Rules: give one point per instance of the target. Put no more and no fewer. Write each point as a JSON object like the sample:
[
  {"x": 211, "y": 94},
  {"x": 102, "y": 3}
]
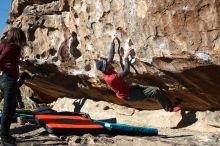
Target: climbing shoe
[{"x": 176, "y": 108}]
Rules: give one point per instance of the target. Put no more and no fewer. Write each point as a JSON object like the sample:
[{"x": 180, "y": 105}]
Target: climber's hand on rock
[{"x": 128, "y": 52}]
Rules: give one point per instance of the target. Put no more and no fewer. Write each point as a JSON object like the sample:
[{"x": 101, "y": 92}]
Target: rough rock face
[{"x": 176, "y": 42}]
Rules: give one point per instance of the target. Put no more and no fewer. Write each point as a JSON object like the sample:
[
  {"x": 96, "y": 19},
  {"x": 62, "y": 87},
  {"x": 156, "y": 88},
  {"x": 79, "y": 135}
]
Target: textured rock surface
[{"x": 176, "y": 43}]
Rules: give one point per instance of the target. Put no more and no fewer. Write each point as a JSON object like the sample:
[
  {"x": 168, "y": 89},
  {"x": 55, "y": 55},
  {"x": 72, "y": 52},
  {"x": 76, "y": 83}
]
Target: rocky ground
[
  {"x": 36, "y": 136},
  {"x": 200, "y": 128}
]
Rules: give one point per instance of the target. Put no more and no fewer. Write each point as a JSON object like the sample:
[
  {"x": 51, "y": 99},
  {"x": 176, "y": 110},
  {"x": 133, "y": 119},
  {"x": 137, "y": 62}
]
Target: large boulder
[{"x": 176, "y": 43}]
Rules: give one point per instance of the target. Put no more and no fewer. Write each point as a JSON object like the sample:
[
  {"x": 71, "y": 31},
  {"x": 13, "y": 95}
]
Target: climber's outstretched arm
[
  {"x": 111, "y": 51},
  {"x": 126, "y": 69}
]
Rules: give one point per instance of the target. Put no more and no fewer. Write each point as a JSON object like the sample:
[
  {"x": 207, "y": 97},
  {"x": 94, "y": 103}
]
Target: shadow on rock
[
  {"x": 187, "y": 119},
  {"x": 79, "y": 104},
  {"x": 24, "y": 129},
  {"x": 166, "y": 136}
]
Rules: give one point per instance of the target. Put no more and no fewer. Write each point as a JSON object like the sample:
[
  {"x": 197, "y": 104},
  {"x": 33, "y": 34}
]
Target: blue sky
[{"x": 4, "y": 11}]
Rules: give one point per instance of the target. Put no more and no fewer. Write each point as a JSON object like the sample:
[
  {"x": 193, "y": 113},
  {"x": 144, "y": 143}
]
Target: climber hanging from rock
[{"x": 128, "y": 93}]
